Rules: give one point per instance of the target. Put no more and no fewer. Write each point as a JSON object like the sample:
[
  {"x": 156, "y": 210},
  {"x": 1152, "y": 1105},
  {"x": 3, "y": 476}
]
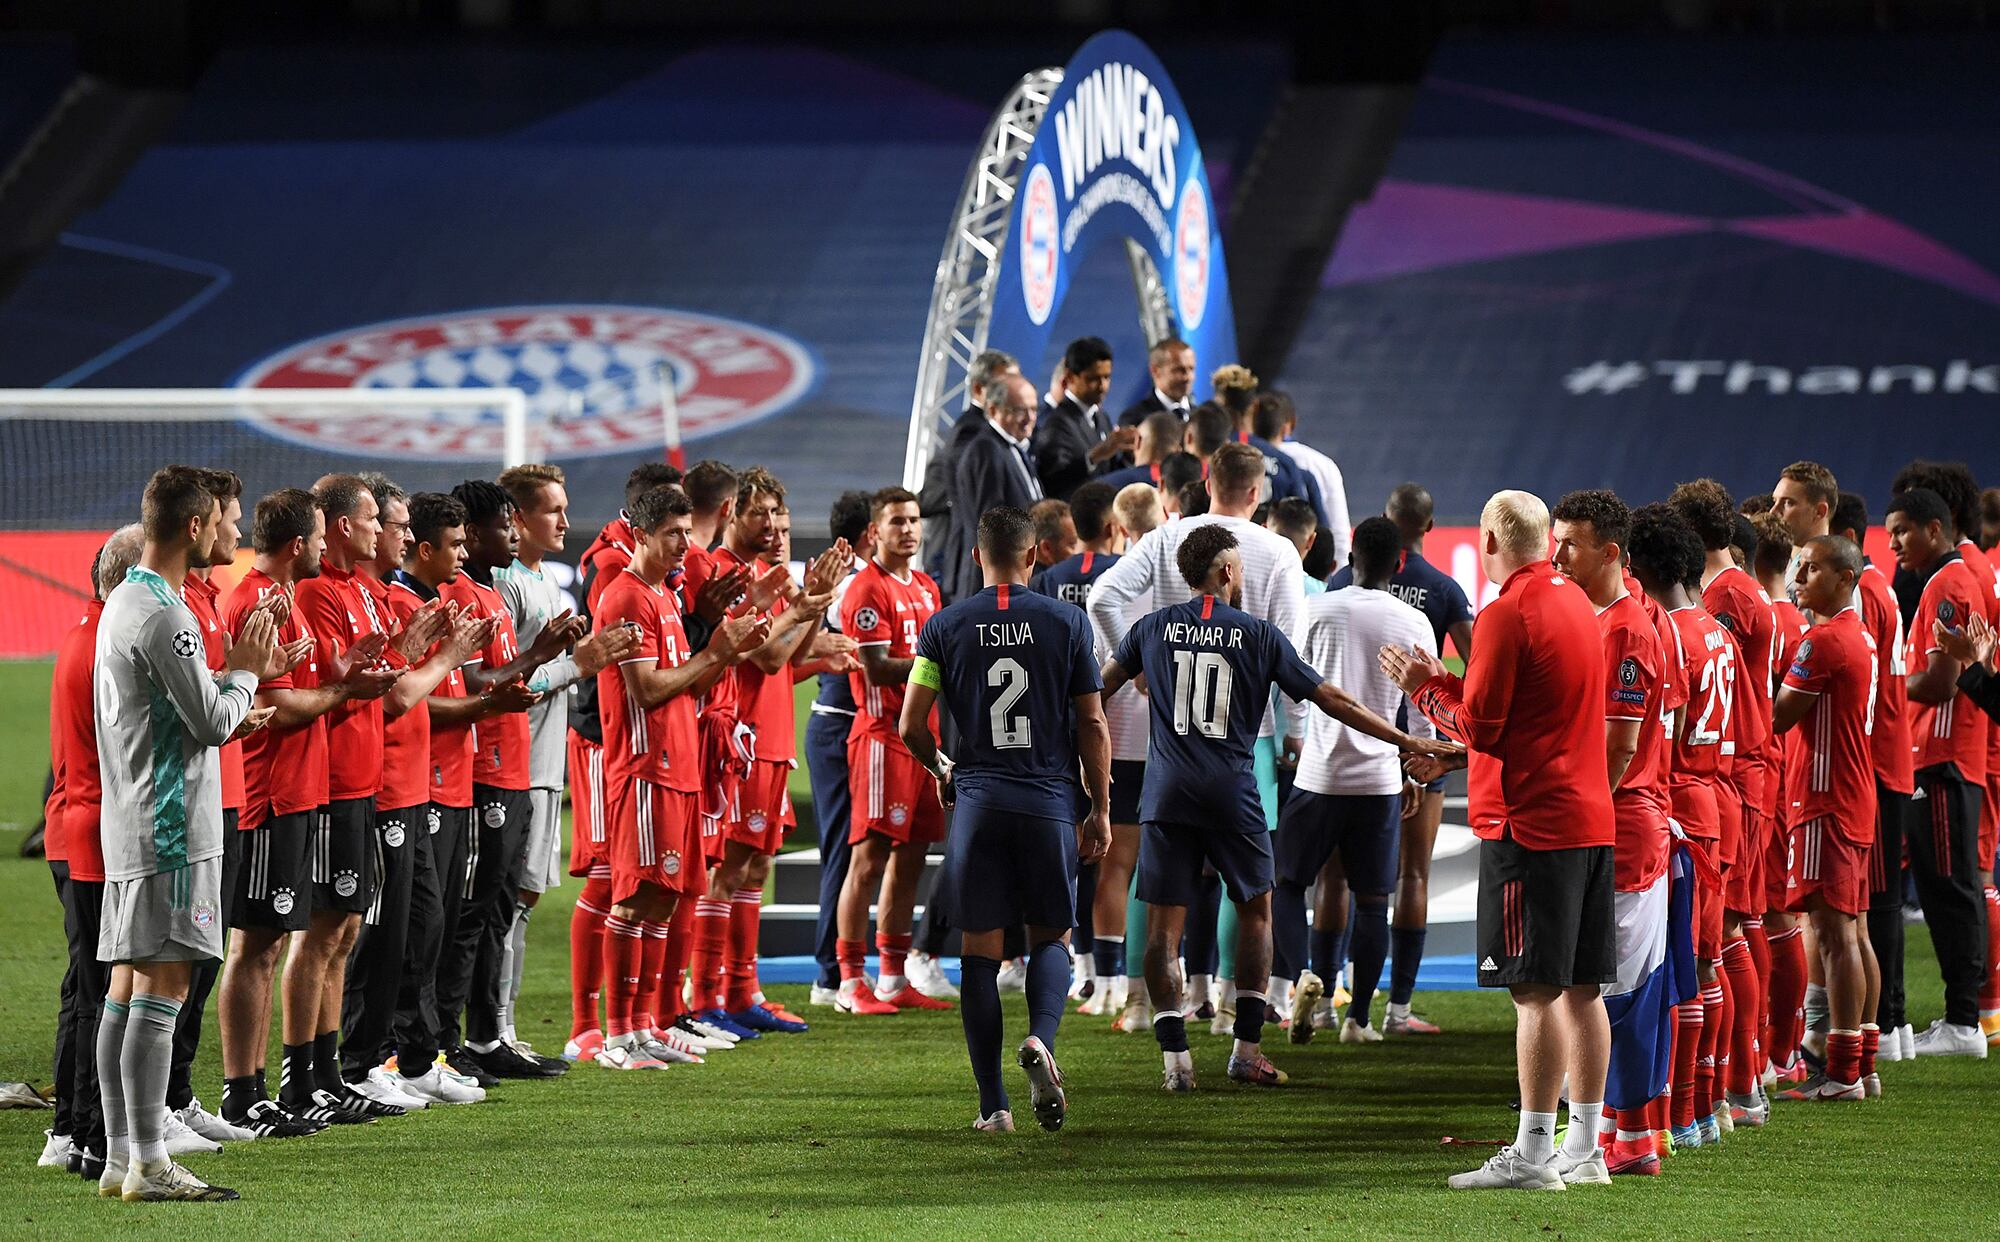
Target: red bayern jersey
[
  {"x": 661, "y": 744},
  {"x": 1953, "y": 731},
  {"x": 1638, "y": 685},
  {"x": 764, "y": 700},
  {"x": 200, "y": 596},
  {"x": 499, "y": 743},
  {"x": 1740, "y": 606},
  {"x": 1895, "y": 767},
  {"x": 406, "y": 740},
  {"x": 882, "y": 610},
  {"x": 605, "y": 558},
  {"x": 1708, "y": 670},
  {"x": 1528, "y": 709},
  {"x": 340, "y": 611},
  {"x": 699, "y": 567},
  {"x": 1832, "y": 768},
  {"x": 1983, "y": 569},
  {"x": 73, "y": 751},
  {"x": 284, "y": 770}
]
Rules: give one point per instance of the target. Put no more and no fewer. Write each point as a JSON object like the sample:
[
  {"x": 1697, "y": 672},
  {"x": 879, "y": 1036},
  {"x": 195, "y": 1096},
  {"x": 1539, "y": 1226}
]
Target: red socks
[
  {"x": 680, "y": 946},
  {"x": 894, "y": 950},
  {"x": 1741, "y": 974},
  {"x": 852, "y": 956},
  {"x": 586, "y": 954},
  {"x": 1687, "y": 1053},
  {"x": 1713, "y": 1002},
  {"x": 1760, "y": 958},
  {"x": 653, "y": 960},
  {"x": 711, "y": 939},
  {"x": 1843, "y": 1056},
  {"x": 1871, "y": 1039},
  {"x": 624, "y": 948},
  {"x": 739, "y": 965},
  {"x": 1788, "y": 994}
]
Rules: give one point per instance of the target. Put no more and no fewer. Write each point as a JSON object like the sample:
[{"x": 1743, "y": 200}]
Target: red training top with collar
[
  {"x": 499, "y": 743},
  {"x": 1638, "y": 687},
  {"x": 451, "y": 750},
  {"x": 340, "y": 611},
  {"x": 1530, "y": 709},
  {"x": 1983, "y": 570},
  {"x": 72, "y": 836},
  {"x": 882, "y": 610},
  {"x": 661, "y": 744},
  {"x": 1883, "y": 619},
  {"x": 1832, "y": 769},
  {"x": 406, "y": 740},
  {"x": 1953, "y": 731},
  {"x": 200, "y": 596},
  {"x": 284, "y": 770}
]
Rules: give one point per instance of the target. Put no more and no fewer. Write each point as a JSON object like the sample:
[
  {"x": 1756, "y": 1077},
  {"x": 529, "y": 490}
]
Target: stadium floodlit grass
[{"x": 861, "y": 1128}]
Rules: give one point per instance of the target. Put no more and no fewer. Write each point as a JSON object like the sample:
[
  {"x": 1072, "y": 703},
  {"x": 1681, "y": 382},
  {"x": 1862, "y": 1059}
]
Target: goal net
[{"x": 74, "y": 464}]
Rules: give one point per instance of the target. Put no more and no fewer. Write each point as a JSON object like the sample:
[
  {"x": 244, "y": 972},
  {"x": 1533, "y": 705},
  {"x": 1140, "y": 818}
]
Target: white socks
[
  {"x": 1584, "y": 1120},
  {"x": 1398, "y": 1013},
  {"x": 1535, "y": 1140}
]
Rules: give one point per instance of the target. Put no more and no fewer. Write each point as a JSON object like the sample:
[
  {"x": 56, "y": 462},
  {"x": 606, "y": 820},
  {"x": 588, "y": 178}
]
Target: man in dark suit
[
  {"x": 934, "y": 500},
  {"x": 1171, "y": 363},
  {"x": 1074, "y": 439},
  {"x": 994, "y": 468}
]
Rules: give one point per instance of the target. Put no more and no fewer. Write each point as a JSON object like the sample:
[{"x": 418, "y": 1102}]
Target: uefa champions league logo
[{"x": 592, "y": 375}]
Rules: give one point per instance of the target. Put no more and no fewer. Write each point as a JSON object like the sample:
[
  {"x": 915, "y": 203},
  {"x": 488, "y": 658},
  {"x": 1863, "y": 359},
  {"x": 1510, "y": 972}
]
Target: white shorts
[
  {"x": 1642, "y": 936},
  {"x": 175, "y": 917},
  {"x": 541, "y": 855}
]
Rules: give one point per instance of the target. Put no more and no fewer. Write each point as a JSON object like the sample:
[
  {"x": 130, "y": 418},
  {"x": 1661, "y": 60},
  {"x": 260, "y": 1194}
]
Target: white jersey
[
  {"x": 1332, "y": 492},
  {"x": 1273, "y": 580},
  {"x": 533, "y": 601},
  {"x": 160, "y": 714},
  {"x": 1340, "y": 635}
]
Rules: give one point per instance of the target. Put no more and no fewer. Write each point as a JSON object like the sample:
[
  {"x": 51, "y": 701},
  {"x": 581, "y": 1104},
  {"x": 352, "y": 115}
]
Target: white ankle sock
[
  {"x": 1584, "y": 1119},
  {"x": 1535, "y": 1139}
]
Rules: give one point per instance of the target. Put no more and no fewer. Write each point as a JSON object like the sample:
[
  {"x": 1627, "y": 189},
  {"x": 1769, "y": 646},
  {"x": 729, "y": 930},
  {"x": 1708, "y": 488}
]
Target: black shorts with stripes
[
  {"x": 343, "y": 856},
  {"x": 1545, "y": 916},
  {"x": 266, "y": 876}
]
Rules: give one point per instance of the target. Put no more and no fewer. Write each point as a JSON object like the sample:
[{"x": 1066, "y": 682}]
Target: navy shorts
[
  {"x": 1128, "y": 777},
  {"x": 1172, "y": 858},
  {"x": 1365, "y": 828},
  {"x": 1004, "y": 869}
]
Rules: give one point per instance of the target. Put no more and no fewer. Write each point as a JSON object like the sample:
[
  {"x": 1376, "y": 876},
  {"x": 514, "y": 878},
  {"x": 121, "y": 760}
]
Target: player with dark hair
[
  {"x": 1209, "y": 668},
  {"x": 1342, "y": 822},
  {"x": 1160, "y": 436},
  {"x": 897, "y": 816},
  {"x": 1949, "y": 735},
  {"x": 1076, "y": 441},
  {"x": 1016, "y": 671}
]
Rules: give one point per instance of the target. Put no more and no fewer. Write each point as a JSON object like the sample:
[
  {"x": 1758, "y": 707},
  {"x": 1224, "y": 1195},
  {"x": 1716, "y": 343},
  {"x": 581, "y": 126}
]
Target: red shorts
[
  {"x": 1694, "y": 810},
  {"x": 1777, "y": 856},
  {"x": 654, "y": 840},
  {"x": 764, "y": 804},
  {"x": 1708, "y": 916},
  {"x": 1729, "y": 819},
  {"x": 1825, "y": 862},
  {"x": 893, "y": 796},
  {"x": 589, "y": 824},
  {"x": 721, "y": 784},
  {"x": 1743, "y": 879}
]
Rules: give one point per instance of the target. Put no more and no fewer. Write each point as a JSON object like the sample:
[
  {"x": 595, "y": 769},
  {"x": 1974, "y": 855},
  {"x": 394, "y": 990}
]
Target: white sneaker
[
  {"x": 710, "y": 1031},
  {"x": 680, "y": 1046},
  {"x": 1907, "y": 1036},
  {"x": 212, "y": 1127},
  {"x": 1582, "y": 1170},
  {"x": 383, "y": 1087},
  {"x": 663, "y": 1052},
  {"x": 1352, "y": 1032},
  {"x": 824, "y": 996},
  {"x": 1890, "y": 1045},
  {"x": 1306, "y": 996},
  {"x": 167, "y": 1180},
  {"x": 182, "y": 1141},
  {"x": 55, "y": 1152},
  {"x": 439, "y": 1085},
  {"x": 926, "y": 975},
  {"x": 1013, "y": 976},
  {"x": 1508, "y": 1171},
  {"x": 111, "y": 1182},
  {"x": 690, "y": 1031},
  {"x": 1947, "y": 1039},
  {"x": 1135, "y": 1019},
  {"x": 1225, "y": 1019},
  {"x": 1001, "y": 1122}
]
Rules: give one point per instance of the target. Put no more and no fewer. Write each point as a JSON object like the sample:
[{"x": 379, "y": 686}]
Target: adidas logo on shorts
[{"x": 1487, "y": 964}]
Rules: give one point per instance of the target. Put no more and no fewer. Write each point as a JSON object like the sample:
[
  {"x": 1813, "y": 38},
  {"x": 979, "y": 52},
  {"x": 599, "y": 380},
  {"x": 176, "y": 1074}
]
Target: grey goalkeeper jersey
[
  {"x": 533, "y": 601},
  {"x": 160, "y": 715}
]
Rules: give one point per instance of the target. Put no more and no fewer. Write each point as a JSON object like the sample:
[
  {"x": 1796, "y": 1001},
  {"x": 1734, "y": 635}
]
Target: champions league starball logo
[
  {"x": 592, "y": 375},
  {"x": 1041, "y": 249}
]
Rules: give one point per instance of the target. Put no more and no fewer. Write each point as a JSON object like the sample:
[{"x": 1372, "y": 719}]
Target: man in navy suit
[
  {"x": 934, "y": 501},
  {"x": 993, "y": 468},
  {"x": 1074, "y": 439},
  {"x": 1171, "y": 363}
]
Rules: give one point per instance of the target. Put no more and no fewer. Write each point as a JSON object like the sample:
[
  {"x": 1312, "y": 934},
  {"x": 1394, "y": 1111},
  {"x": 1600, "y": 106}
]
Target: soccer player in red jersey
[
  {"x": 1770, "y": 563},
  {"x": 896, "y": 816},
  {"x": 606, "y": 557},
  {"x": 646, "y": 706},
  {"x": 1740, "y": 606},
  {"x": 1642, "y": 694},
  {"x": 1529, "y": 712},
  {"x": 724, "y": 965},
  {"x": 1895, "y": 780},
  {"x": 1829, "y": 696},
  {"x": 1949, "y": 735}
]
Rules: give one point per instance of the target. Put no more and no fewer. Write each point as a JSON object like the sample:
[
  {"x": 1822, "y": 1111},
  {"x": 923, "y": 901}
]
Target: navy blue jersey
[
  {"x": 1424, "y": 587},
  {"x": 1122, "y": 479},
  {"x": 1006, "y": 662},
  {"x": 1209, "y": 671},
  {"x": 1071, "y": 580}
]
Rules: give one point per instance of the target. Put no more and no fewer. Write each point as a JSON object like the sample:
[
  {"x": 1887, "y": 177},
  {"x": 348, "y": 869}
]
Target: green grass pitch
[{"x": 861, "y": 1129}]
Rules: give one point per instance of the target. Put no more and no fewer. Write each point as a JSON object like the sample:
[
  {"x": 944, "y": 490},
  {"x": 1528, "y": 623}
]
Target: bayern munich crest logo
[
  {"x": 1191, "y": 253},
  {"x": 1041, "y": 249},
  {"x": 592, "y": 375}
]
